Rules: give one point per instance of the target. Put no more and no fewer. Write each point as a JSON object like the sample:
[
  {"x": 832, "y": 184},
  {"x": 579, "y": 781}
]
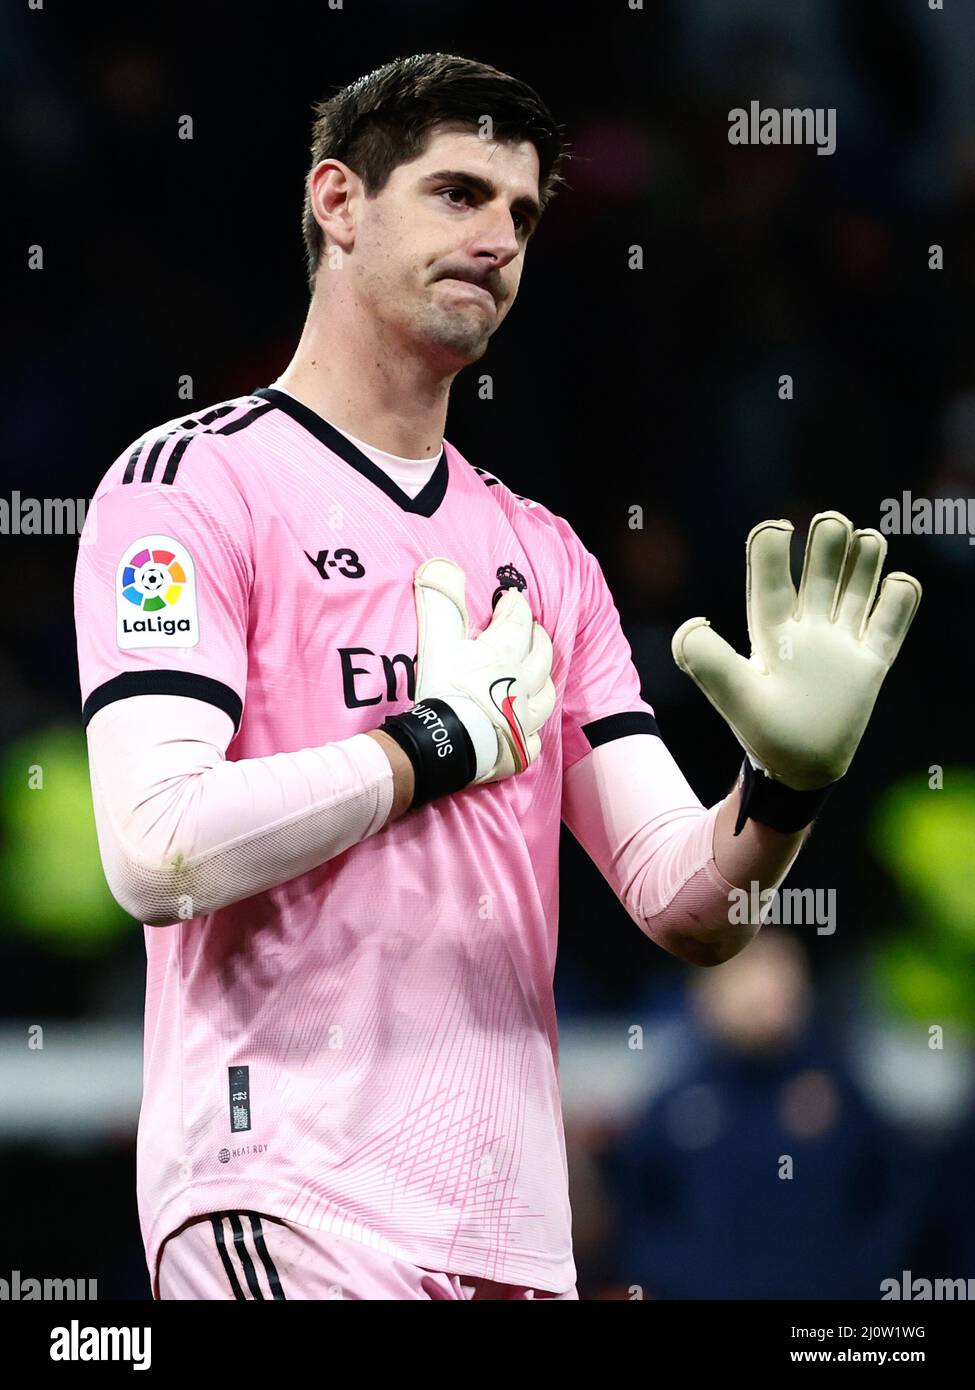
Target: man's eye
[{"x": 461, "y": 191}]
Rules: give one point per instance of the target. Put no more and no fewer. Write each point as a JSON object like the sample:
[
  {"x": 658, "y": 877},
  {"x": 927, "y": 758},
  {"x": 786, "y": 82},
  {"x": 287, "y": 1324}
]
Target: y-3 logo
[{"x": 344, "y": 561}]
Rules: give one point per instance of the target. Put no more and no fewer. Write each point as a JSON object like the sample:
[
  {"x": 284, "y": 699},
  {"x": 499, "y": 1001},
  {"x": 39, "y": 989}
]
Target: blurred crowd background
[{"x": 850, "y": 1052}]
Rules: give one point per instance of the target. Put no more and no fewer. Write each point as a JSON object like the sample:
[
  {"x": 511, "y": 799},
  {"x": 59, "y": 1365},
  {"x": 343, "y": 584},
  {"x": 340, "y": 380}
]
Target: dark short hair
[{"x": 385, "y": 119}]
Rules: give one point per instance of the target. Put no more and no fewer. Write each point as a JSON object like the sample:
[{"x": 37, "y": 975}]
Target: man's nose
[{"x": 497, "y": 238}]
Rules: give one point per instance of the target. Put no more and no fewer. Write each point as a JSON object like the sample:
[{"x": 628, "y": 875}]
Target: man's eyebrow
[{"x": 524, "y": 203}]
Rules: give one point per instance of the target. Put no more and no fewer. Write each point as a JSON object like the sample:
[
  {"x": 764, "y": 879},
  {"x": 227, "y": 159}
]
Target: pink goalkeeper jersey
[{"x": 370, "y": 1048}]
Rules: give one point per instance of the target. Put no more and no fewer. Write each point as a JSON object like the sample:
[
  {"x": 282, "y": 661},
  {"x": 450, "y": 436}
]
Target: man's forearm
[
  {"x": 759, "y": 854},
  {"x": 672, "y": 863},
  {"x": 183, "y": 831},
  {"x": 700, "y": 926},
  {"x": 403, "y": 775}
]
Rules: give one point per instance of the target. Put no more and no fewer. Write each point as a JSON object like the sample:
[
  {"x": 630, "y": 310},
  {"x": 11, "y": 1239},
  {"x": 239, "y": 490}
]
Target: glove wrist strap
[
  {"x": 774, "y": 804},
  {"x": 438, "y": 746}
]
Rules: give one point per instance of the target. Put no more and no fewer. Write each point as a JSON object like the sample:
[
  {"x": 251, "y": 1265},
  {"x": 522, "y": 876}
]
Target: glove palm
[{"x": 800, "y": 703}]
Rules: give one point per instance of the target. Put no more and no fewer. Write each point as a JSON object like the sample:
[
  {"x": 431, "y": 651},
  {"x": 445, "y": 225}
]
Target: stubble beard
[{"x": 462, "y": 333}]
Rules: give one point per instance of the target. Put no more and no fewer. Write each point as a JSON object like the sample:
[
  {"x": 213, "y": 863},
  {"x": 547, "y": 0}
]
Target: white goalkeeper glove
[
  {"x": 800, "y": 703},
  {"x": 480, "y": 701}
]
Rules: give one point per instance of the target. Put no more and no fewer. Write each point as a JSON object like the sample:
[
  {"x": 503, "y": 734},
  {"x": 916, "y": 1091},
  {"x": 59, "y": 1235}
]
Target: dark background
[{"x": 613, "y": 388}]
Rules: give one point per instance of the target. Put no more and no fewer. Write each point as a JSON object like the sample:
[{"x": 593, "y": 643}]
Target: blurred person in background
[{"x": 764, "y": 1171}]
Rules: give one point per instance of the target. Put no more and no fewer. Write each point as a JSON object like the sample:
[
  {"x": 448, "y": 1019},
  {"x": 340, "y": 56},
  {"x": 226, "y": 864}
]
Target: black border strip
[
  {"x": 184, "y": 434},
  {"x": 161, "y": 682},
  {"x": 270, "y": 1269},
  {"x": 216, "y": 1223},
  {"x": 616, "y": 726},
  {"x": 427, "y": 500},
  {"x": 244, "y": 1255}
]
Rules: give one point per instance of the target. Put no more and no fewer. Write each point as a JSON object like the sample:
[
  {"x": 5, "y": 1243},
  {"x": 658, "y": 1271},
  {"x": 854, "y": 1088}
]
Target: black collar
[{"x": 426, "y": 501}]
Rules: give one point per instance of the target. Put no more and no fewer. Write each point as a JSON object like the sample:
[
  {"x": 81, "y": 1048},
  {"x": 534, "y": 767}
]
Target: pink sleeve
[
  {"x": 634, "y": 813},
  {"x": 182, "y": 831},
  {"x": 162, "y": 588},
  {"x": 602, "y": 699}
]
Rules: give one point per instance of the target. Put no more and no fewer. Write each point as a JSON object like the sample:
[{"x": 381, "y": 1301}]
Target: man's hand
[
  {"x": 800, "y": 704},
  {"x": 480, "y": 701}
]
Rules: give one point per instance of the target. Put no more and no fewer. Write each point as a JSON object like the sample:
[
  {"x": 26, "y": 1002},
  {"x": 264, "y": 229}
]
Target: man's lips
[{"x": 480, "y": 290}]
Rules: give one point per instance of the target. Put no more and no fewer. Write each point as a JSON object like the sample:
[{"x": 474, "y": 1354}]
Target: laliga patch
[{"x": 155, "y": 595}]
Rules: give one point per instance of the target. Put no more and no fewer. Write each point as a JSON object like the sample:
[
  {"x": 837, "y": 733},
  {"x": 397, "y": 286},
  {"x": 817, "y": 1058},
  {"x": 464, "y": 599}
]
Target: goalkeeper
[{"x": 341, "y": 690}]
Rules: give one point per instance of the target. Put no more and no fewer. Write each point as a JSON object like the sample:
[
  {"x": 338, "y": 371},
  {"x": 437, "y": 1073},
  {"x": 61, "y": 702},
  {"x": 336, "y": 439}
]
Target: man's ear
[{"x": 333, "y": 189}]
